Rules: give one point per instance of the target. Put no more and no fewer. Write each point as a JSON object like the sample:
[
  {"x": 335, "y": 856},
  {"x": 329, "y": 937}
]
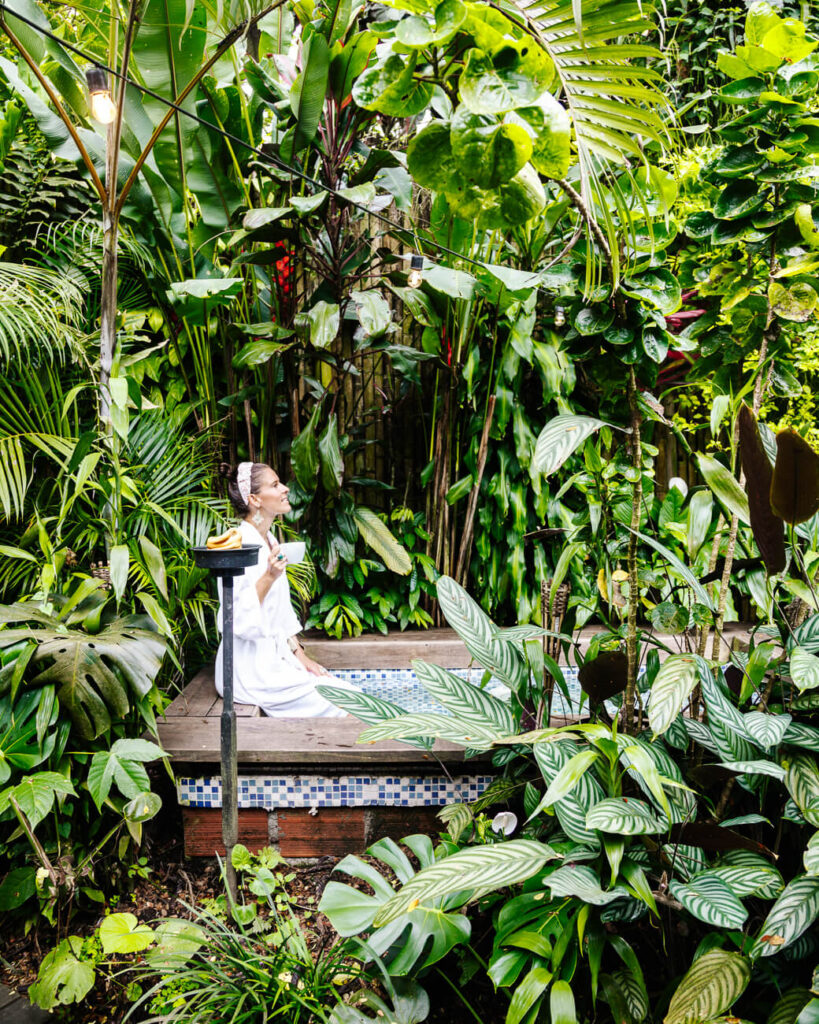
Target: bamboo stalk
[{"x": 462, "y": 568}]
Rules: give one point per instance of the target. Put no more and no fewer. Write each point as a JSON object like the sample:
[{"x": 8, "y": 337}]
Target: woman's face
[{"x": 273, "y": 494}]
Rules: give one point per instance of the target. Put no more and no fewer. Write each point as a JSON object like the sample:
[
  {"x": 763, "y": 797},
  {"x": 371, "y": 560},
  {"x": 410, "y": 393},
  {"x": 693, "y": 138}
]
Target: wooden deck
[
  {"x": 190, "y": 735},
  {"x": 190, "y": 730}
]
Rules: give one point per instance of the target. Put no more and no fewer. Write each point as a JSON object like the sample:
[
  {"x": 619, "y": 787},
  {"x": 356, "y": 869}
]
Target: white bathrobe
[{"x": 265, "y": 670}]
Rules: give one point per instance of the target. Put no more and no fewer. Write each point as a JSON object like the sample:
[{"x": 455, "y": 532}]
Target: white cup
[{"x": 293, "y": 551}]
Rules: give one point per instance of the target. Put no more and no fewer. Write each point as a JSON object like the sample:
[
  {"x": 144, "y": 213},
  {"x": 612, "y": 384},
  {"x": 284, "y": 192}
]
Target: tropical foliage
[{"x": 590, "y": 387}]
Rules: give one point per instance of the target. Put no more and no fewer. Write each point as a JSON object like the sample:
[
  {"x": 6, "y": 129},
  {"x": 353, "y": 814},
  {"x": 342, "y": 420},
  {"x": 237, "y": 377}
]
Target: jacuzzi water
[{"x": 401, "y": 687}]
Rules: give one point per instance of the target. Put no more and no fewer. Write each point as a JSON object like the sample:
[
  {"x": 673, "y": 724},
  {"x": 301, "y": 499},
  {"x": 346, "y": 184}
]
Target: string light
[
  {"x": 103, "y": 108},
  {"x": 416, "y": 275},
  {"x": 560, "y": 316}
]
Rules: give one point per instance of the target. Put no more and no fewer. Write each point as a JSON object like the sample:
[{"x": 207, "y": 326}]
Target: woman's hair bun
[{"x": 226, "y": 470}]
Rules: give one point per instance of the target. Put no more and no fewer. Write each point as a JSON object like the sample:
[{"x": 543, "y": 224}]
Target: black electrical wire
[{"x": 273, "y": 160}]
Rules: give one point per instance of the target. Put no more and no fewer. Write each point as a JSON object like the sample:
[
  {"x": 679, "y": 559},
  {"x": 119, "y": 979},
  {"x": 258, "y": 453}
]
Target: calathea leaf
[
  {"x": 710, "y": 987},
  {"x": 478, "y": 633},
  {"x": 466, "y": 701},
  {"x": 787, "y": 1008},
  {"x": 624, "y": 816},
  {"x": 711, "y": 900},
  {"x": 671, "y": 687},
  {"x": 571, "y": 809},
  {"x": 792, "y": 914},
  {"x": 559, "y": 438},
  {"x": 484, "y": 867},
  {"x": 767, "y": 730},
  {"x": 581, "y": 881},
  {"x": 802, "y": 782},
  {"x": 804, "y": 668}
]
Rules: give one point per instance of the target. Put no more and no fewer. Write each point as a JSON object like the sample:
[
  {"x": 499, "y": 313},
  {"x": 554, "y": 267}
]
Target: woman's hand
[
  {"x": 312, "y": 666},
  {"x": 276, "y": 562}
]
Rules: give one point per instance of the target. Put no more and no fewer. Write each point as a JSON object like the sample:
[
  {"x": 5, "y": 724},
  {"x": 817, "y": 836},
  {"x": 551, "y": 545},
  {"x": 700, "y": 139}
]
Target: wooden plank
[
  {"x": 197, "y": 698},
  {"x": 289, "y": 742},
  {"x": 242, "y": 710}
]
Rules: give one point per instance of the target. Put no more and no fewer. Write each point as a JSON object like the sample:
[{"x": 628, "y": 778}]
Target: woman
[{"x": 270, "y": 666}]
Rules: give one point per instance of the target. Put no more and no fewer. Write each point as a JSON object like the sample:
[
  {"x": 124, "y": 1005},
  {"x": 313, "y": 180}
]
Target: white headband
[{"x": 243, "y": 480}]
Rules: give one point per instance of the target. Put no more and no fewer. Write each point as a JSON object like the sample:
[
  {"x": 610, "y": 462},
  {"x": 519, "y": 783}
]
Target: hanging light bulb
[
  {"x": 416, "y": 275},
  {"x": 560, "y": 316},
  {"x": 103, "y": 108}
]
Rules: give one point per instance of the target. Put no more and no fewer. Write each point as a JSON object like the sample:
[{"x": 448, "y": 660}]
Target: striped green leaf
[
  {"x": 799, "y": 735},
  {"x": 792, "y": 914},
  {"x": 711, "y": 986},
  {"x": 633, "y": 993},
  {"x": 725, "y": 721},
  {"x": 700, "y": 733},
  {"x": 747, "y": 881},
  {"x": 484, "y": 867},
  {"x": 671, "y": 687},
  {"x": 804, "y": 669},
  {"x": 581, "y": 881},
  {"x": 571, "y": 809},
  {"x": 568, "y": 777},
  {"x": 367, "y": 708},
  {"x": 479, "y": 634},
  {"x": 810, "y": 857},
  {"x": 687, "y": 860},
  {"x": 711, "y": 900},
  {"x": 755, "y": 768},
  {"x": 765, "y": 729},
  {"x": 624, "y": 815},
  {"x": 802, "y": 782},
  {"x": 465, "y": 700},
  {"x": 559, "y": 438},
  {"x": 789, "y": 1005},
  {"x": 753, "y": 862},
  {"x": 442, "y": 727}
]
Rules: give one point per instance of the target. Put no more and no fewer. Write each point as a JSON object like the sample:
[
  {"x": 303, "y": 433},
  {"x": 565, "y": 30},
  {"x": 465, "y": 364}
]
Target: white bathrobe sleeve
[
  {"x": 249, "y": 620},
  {"x": 282, "y": 615}
]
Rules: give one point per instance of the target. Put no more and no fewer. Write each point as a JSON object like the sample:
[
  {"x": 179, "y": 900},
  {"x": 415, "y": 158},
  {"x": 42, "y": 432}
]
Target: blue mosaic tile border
[{"x": 275, "y": 791}]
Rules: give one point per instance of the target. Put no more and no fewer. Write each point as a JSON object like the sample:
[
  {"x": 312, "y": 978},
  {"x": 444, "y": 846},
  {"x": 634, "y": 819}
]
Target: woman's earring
[{"x": 257, "y": 518}]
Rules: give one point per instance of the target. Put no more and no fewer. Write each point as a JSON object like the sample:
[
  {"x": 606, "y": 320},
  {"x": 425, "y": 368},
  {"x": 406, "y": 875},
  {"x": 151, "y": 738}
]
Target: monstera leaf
[
  {"x": 91, "y": 673},
  {"x": 432, "y": 931}
]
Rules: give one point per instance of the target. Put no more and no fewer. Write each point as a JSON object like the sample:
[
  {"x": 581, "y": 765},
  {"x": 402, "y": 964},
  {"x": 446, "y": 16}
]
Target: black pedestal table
[{"x": 225, "y": 564}]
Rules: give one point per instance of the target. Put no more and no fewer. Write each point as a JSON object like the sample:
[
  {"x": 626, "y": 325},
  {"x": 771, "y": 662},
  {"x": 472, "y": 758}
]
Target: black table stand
[{"x": 225, "y": 564}]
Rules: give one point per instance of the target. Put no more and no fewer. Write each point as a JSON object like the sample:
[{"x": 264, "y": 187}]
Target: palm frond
[
  {"x": 39, "y": 313},
  {"x": 612, "y": 94}
]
